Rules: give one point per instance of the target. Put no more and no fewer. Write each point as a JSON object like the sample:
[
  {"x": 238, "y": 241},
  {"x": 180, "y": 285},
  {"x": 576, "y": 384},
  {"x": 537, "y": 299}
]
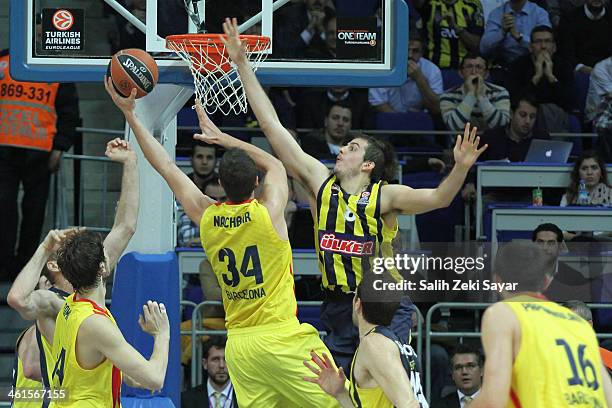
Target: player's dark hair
[
  {"x": 79, "y": 259},
  {"x": 550, "y": 227},
  {"x": 378, "y": 305},
  {"x": 382, "y": 155},
  {"x": 238, "y": 174},
  {"x": 213, "y": 341},
  {"x": 468, "y": 349},
  {"x": 524, "y": 263},
  {"x": 541, "y": 29}
]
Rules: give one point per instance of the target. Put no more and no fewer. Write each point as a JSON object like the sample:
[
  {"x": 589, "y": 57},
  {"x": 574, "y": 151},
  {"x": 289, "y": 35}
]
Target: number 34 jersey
[
  {"x": 252, "y": 263},
  {"x": 558, "y": 363}
]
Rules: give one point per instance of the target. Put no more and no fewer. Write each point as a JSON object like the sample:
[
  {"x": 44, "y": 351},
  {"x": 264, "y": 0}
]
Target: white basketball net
[{"x": 214, "y": 87}]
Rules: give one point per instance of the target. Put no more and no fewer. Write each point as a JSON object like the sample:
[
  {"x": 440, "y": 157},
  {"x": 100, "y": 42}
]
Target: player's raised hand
[
  {"x": 328, "y": 377},
  {"x": 233, "y": 44},
  {"x": 55, "y": 237},
  {"x": 126, "y": 105},
  {"x": 155, "y": 320},
  {"x": 118, "y": 150},
  {"x": 211, "y": 134},
  {"x": 466, "y": 150}
]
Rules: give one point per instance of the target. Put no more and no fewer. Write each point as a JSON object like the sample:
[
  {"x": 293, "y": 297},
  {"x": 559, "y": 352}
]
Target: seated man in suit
[
  {"x": 466, "y": 368},
  {"x": 218, "y": 389}
]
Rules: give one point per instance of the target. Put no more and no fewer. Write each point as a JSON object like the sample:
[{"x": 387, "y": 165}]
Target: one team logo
[{"x": 63, "y": 20}]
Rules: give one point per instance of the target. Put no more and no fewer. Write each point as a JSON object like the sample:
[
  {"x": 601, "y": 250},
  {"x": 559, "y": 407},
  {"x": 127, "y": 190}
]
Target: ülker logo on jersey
[
  {"x": 63, "y": 20},
  {"x": 337, "y": 243}
]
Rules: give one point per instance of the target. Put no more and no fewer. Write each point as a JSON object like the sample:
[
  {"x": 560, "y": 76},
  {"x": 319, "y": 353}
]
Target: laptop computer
[{"x": 548, "y": 151}]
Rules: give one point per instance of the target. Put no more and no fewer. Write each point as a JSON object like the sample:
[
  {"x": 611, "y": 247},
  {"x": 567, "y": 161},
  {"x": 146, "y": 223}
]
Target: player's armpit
[
  {"x": 499, "y": 332},
  {"x": 381, "y": 358},
  {"x": 98, "y": 335}
]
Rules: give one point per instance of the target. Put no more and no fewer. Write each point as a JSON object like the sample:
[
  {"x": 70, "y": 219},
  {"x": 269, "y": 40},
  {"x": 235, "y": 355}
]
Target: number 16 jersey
[
  {"x": 252, "y": 263},
  {"x": 558, "y": 363}
]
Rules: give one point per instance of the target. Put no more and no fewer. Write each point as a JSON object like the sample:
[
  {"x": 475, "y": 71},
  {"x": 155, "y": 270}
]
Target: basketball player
[
  {"x": 539, "y": 354},
  {"x": 246, "y": 241},
  {"x": 90, "y": 351},
  {"x": 43, "y": 305},
  {"x": 383, "y": 373},
  {"x": 354, "y": 210}
]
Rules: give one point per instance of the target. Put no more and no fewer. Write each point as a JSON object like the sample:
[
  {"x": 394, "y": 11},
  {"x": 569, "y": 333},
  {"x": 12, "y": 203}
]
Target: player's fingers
[
  {"x": 458, "y": 142},
  {"x": 473, "y": 134},
  {"x": 328, "y": 362},
  {"x": 341, "y": 374},
  {"x": 147, "y": 313},
  {"x": 311, "y": 368},
  {"x": 311, "y": 380},
  {"x": 141, "y": 321},
  {"x": 317, "y": 360},
  {"x": 133, "y": 93},
  {"x": 482, "y": 149}
]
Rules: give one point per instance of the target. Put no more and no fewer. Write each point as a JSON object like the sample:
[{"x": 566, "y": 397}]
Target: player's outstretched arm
[
  {"x": 382, "y": 359},
  {"x": 126, "y": 216},
  {"x": 500, "y": 329},
  {"x": 193, "y": 200},
  {"x": 30, "y": 355},
  {"x": 310, "y": 171},
  {"x": 103, "y": 336},
  {"x": 405, "y": 200},
  {"x": 32, "y": 304}
]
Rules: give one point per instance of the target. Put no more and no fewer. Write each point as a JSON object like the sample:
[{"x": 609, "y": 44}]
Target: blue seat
[{"x": 451, "y": 78}]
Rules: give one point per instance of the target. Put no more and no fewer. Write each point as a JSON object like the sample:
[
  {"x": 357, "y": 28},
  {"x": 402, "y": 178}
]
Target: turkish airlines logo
[{"x": 63, "y": 20}]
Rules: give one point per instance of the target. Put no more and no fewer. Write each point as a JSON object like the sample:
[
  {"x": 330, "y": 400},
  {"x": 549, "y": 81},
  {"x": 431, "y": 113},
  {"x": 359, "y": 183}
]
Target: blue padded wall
[{"x": 140, "y": 278}]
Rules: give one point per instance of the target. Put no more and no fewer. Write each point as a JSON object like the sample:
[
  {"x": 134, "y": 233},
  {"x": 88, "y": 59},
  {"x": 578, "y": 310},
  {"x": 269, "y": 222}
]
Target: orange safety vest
[{"x": 27, "y": 111}]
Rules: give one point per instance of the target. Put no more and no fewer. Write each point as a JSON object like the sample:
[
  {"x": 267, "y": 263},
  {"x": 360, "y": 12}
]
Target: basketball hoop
[{"x": 217, "y": 83}]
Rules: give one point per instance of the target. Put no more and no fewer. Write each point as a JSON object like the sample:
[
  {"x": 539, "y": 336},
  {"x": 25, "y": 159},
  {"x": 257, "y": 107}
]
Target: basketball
[{"x": 133, "y": 68}]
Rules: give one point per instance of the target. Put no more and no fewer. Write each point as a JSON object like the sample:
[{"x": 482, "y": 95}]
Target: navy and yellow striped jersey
[
  {"x": 350, "y": 232},
  {"x": 444, "y": 48},
  {"x": 375, "y": 397}
]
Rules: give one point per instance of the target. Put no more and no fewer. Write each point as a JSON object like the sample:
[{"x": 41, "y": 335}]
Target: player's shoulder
[
  {"x": 499, "y": 314},
  {"x": 374, "y": 344}
]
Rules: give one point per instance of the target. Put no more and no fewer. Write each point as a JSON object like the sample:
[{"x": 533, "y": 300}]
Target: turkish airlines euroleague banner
[
  {"x": 62, "y": 29},
  {"x": 357, "y": 38}
]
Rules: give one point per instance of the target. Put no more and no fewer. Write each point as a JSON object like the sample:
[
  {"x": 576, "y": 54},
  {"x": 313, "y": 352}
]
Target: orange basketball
[{"x": 133, "y": 68}]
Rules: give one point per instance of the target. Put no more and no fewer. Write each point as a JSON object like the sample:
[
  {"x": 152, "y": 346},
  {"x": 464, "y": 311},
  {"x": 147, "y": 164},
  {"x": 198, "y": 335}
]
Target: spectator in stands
[
  {"x": 590, "y": 168},
  {"x": 510, "y": 142},
  {"x": 600, "y": 87},
  {"x": 582, "y": 310},
  {"x": 466, "y": 368},
  {"x": 452, "y": 28},
  {"x": 585, "y": 35},
  {"x": 547, "y": 76},
  {"x": 218, "y": 389},
  {"x": 38, "y": 124},
  {"x": 508, "y": 29},
  {"x": 481, "y": 103},
  {"x": 325, "y": 143},
  {"x": 315, "y": 104},
  {"x": 419, "y": 92},
  {"x": 188, "y": 233},
  {"x": 566, "y": 282},
  {"x": 325, "y": 49},
  {"x": 300, "y": 25}
]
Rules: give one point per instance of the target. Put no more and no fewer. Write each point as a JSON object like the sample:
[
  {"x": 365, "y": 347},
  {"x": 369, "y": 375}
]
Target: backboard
[{"x": 347, "y": 42}]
